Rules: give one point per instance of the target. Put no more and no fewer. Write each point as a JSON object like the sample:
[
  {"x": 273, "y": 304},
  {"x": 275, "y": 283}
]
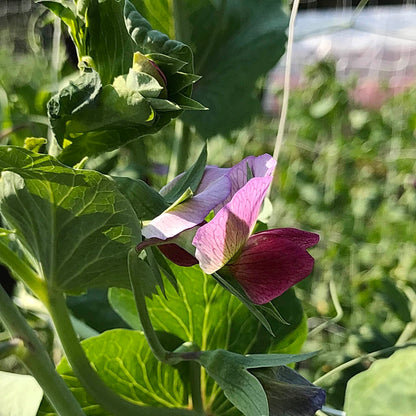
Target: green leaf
[
  {"x": 149, "y": 41},
  {"x": 108, "y": 43},
  {"x": 146, "y": 202},
  {"x": 323, "y": 107},
  {"x": 69, "y": 16},
  {"x": 387, "y": 388},
  {"x": 202, "y": 312},
  {"x": 395, "y": 298},
  {"x": 190, "y": 179},
  {"x": 234, "y": 43},
  {"x": 162, "y": 18},
  {"x": 122, "y": 358},
  {"x": 241, "y": 387},
  {"x": 122, "y": 94},
  {"x": 20, "y": 394},
  {"x": 74, "y": 226}
]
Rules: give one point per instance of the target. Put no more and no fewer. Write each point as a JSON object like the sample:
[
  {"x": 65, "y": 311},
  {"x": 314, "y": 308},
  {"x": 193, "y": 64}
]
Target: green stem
[
  {"x": 36, "y": 359},
  {"x": 189, "y": 351},
  {"x": 195, "y": 376},
  {"x": 152, "y": 339},
  {"x": 13, "y": 346},
  {"x": 22, "y": 271},
  {"x": 180, "y": 150},
  {"x": 90, "y": 380},
  {"x": 357, "y": 360}
]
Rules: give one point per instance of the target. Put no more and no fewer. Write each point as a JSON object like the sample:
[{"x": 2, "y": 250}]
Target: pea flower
[{"x": 265, "y": 264}]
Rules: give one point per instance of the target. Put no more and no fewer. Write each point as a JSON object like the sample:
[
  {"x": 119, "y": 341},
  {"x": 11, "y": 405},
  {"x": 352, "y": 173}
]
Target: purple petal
[
  {"x": 218, "y": 241},
  {"x": 269, "y": 265},
  {"x": 303, "y": 239},
  {"x": 189, "y": 213},
  {"x": 261, "y": 166},
  {"x": 211, "y": 174}
]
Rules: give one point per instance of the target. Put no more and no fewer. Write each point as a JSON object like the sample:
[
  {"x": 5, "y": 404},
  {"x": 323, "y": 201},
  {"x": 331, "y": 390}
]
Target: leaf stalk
[{"x": 34, "y": 356}]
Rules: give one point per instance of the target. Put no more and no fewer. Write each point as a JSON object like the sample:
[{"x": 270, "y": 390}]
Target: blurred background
[{"x": 347, "y": 168}]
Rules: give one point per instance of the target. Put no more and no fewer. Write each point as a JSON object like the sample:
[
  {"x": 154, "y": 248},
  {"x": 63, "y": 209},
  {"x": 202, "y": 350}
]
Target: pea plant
[{"x": 204, "y": 285}]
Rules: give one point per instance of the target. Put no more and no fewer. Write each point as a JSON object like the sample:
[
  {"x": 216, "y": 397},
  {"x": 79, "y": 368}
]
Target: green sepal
[{"x": 191, "y": 179}]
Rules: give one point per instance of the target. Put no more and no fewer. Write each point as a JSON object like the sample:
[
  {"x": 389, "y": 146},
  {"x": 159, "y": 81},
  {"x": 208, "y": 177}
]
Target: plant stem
[
  {"x": 36, "y": 359},
  {"x": 152, "y": 339},
  {"x": 195, "y": 376},
  {"x": 359, "y": 359},
  {"x": 90, "y": 380},
  {"x": 22, "y": 271},
  {"x": 180, "y": 150}
]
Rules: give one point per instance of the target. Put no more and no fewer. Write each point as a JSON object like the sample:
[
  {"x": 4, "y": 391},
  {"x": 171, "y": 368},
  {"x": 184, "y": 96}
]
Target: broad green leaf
[
  {"x": 74, "y": 226},
  {"x": 202, "y": 312},
  {"x": 234, "y": 43},
  {"x": 20, "y": 395},
  {"x": 387, "y": 388},
  {"x": 122, "y": 358}
]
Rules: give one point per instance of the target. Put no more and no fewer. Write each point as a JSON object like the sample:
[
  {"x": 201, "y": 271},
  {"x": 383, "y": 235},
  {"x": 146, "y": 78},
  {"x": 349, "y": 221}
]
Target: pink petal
[
  {"x": 260, "y": 166},
  {"x": 269, "y": 265},
  {"x": 303, "y": 239},
  {"x": 218, "y": 241},
  {"x": 189, "y": 213}
]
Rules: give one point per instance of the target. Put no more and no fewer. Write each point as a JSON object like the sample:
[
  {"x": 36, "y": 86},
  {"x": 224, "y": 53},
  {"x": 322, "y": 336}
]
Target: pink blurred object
[{"x": 377, "y": 46}]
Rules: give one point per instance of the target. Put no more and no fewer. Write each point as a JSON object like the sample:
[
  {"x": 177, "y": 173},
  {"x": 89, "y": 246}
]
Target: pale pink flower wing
[
  {"x": 270, "y": 264},
  {"x": 189, "y": 213},
  {"x": 211, "y": 174},
  {"x": 260, "y": 166},
  {"x": 218, "y": 241}
]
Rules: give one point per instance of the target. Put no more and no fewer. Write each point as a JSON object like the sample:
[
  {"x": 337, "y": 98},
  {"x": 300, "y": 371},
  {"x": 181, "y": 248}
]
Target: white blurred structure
[{"x": 378, "y": 45}]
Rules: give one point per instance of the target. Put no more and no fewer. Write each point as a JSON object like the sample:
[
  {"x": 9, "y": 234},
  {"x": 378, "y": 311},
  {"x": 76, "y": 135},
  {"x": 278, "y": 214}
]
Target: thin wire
[{"x": 286, "y": 87}]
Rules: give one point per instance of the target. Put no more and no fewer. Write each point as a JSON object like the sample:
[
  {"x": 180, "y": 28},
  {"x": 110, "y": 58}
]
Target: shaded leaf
[{"x": 146, "y": 202}]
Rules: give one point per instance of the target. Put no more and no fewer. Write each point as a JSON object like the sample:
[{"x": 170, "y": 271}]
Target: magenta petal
[
  {"x": 178, "y": 255},
  {"x": 303, "y": 239},
  {"x": 269, "y": 265},
  {"x": 189, "y": 213},
  {"x": 218, "y": 241}
]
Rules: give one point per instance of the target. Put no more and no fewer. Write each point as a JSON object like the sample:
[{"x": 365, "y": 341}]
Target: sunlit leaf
[
  {"x": 387, "y": 388},
  {"x": 122, "y": 358},
  {"x": 74, "y": 226}
]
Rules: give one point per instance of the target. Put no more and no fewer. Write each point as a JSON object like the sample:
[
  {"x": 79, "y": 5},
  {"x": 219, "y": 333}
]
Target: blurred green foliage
[
  {"x": 349, "y": 174},
  {"x": 346, "y": 172}
]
